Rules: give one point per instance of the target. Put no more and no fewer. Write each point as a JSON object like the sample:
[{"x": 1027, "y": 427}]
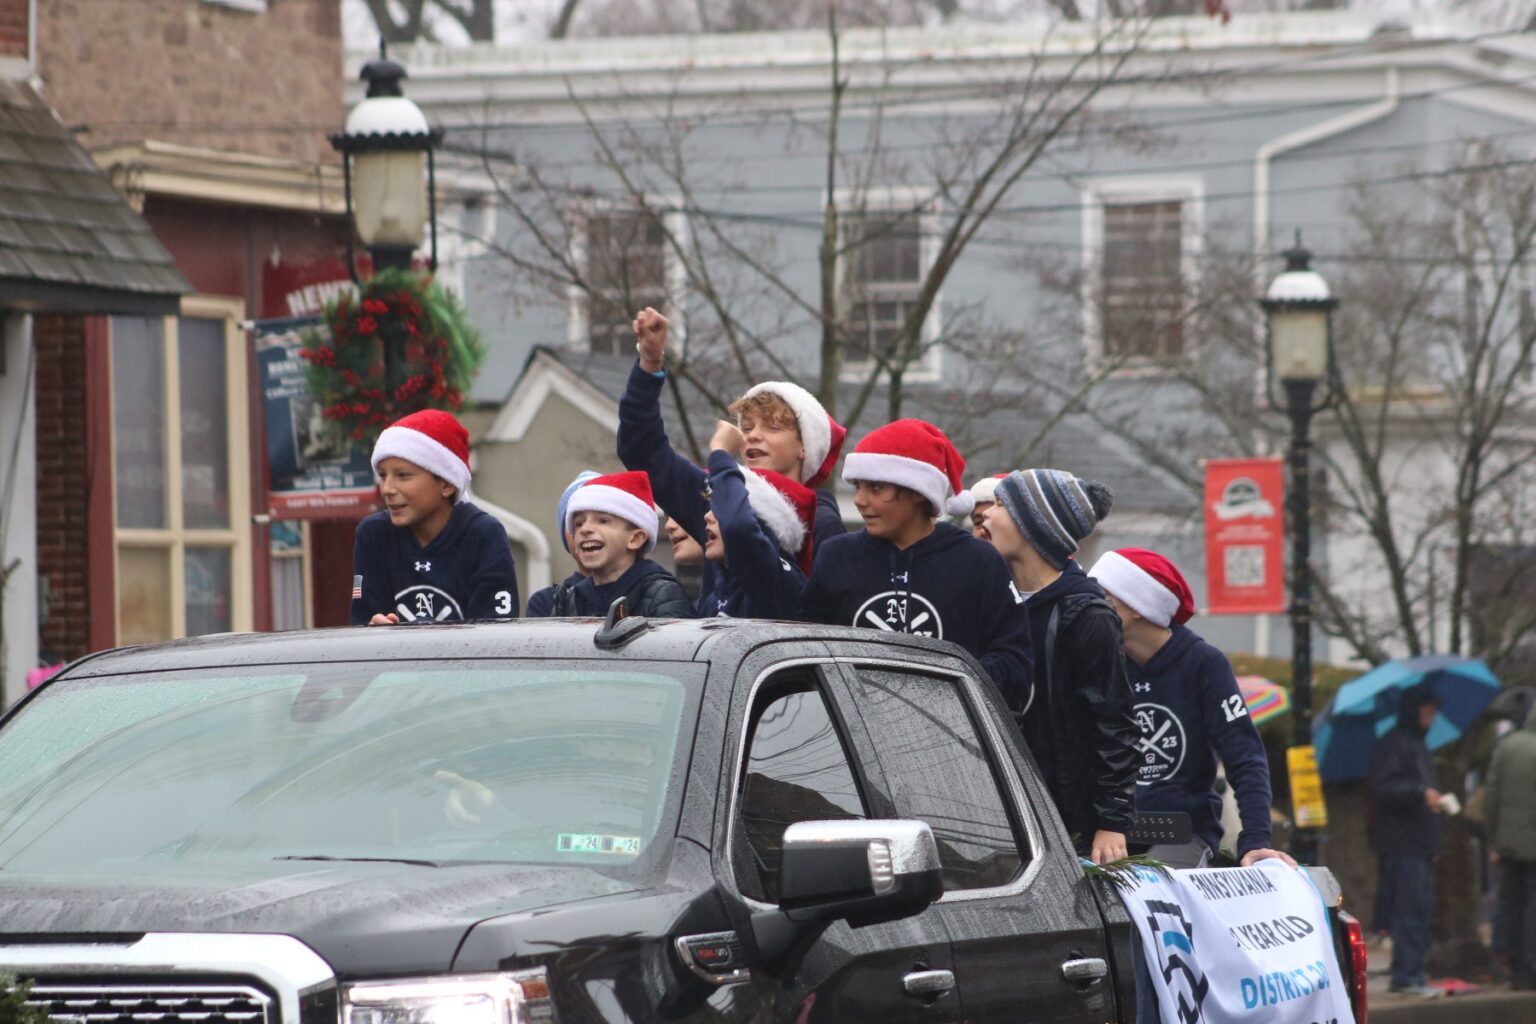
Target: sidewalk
[{"x": 1491, "y": 1004}]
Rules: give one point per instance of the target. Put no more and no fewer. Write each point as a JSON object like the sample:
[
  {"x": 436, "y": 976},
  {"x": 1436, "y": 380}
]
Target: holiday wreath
[{"x": 402, "y": 344}]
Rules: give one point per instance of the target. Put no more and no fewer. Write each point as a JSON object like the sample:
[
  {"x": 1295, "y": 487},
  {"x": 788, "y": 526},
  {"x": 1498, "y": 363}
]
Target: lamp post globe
[
  {"x": 388, "y": 166},
  {"x": 1298, "y": 307}
]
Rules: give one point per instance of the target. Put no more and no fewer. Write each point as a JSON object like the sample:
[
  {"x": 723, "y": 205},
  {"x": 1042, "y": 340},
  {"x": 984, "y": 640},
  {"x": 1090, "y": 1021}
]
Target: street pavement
[{"x": 1492, "y": 1004}]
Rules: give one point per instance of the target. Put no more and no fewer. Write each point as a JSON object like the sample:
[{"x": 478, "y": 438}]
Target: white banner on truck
[{"x": 1227, "y": 945}]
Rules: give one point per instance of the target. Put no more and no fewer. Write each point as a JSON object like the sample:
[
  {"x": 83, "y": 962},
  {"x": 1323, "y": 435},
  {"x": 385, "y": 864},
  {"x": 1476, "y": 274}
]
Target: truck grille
[{"x": 157, "y": 1004}]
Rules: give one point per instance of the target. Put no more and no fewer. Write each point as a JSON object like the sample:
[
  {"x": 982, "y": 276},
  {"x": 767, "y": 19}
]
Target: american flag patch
[{"x": 357, "y": 588}]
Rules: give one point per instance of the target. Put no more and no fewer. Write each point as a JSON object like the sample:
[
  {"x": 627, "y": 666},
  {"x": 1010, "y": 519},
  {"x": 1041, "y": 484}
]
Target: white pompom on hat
[
  {"x": 819, "y": 432},
  {"x": 916, "y": 455},
  {"x": 787, "y": 509},
  {"x": 625, "y": 495},
  {"x": 432, "y": 439}
]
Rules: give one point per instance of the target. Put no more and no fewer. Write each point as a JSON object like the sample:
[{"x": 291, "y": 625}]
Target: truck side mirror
[
  {"x": 862, "y": 871},
  {"x": 865, "y": 871}
]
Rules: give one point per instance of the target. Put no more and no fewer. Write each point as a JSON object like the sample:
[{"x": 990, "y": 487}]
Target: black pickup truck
[{"x": 566, "y": 820}]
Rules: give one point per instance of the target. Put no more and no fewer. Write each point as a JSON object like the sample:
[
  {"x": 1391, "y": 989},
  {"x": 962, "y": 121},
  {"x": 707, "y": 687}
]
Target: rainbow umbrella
[{"x": 1266, "y": 700}]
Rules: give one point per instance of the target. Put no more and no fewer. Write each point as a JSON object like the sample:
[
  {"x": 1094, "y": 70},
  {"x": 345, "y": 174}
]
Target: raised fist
[
  {"x": 651, "y": 336},
  {"x": 727, "y": 438}
]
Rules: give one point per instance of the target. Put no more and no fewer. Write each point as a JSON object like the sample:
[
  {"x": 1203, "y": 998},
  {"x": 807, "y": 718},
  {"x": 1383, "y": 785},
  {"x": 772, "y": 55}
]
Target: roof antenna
[{"x": 620, "y": 627}]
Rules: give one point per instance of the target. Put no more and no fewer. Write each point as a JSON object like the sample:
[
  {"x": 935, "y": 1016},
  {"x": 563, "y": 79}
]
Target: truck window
[
  {"x": 938, "y": 771},
  {"x": 562, "y": 763},
  {"x": 797, "y": 770}
]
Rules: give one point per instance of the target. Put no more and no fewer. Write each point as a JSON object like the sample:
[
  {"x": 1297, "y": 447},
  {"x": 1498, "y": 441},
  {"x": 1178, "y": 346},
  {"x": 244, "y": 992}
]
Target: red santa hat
[
  {"x": 985, "y": 489},
  {"x": 822, "y": 435},
  {"x": 787, "y": 509},
  {"x": 432, "y": 439},
  {"x": 1147, "y": 583},
  {"x": 916, "y": 455},
  {"x": 625, "y": 495}
]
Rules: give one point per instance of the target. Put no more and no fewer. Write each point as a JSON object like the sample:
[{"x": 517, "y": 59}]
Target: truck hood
[{"x": 364, "y": 918}]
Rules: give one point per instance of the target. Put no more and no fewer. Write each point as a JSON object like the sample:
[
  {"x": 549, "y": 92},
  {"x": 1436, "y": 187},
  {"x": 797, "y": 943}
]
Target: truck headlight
[{"x": 514, "y": 997}]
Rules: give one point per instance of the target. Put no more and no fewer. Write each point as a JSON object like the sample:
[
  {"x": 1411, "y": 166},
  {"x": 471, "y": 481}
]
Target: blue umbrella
[{"x": 1365, "y": 709}]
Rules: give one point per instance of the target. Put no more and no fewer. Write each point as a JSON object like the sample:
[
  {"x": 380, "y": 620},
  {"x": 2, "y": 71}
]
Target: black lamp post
[
  {"x": 390, "y": 177},
  {"x": 1298, "y": 308}
]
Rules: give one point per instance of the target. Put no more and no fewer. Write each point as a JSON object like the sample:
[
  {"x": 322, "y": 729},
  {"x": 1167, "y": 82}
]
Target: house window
[
  {"x": 181, "y": 470},
  {"x": 1143, "y": 279},
  {"x": 628, "y": 259},
  {"x": 884, "y": 263},
  {"x": 1139, "y": 241}
]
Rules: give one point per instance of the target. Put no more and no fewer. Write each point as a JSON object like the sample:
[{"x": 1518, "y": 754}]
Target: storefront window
[{"x": 181, "y": 454}]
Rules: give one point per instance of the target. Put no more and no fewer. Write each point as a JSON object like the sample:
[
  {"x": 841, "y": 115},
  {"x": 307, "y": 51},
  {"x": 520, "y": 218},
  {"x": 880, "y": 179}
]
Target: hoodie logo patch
[
  {"x": 426, "y": 604},
  {"x": 1160, "y": 751},
  {"x": 900, "y": 611}
]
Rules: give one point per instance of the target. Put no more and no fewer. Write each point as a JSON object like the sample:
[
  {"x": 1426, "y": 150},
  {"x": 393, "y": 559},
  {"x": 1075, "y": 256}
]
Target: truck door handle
[
  {"x": 928, "y": 984},
  {"x": 1084, "y": 970}
]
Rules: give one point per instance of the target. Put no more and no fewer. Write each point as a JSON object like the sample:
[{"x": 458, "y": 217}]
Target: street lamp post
[
  {"x": 1298, "y": 308},
  {"x": 390, "y": 178}
]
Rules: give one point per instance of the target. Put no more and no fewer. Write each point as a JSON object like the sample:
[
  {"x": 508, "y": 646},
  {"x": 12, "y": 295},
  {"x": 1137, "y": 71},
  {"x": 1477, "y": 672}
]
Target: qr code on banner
[{"x": 1244, "y": 566}]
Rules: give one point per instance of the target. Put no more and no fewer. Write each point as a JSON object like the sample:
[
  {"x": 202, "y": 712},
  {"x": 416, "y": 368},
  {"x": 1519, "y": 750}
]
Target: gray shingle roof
[
  {"x": 68, "y": 240},
  {"x": 1074, "y": 443}
]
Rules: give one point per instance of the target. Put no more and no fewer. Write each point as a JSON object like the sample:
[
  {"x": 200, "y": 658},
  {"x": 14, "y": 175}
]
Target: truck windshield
[{"x": 433, "y": 763}]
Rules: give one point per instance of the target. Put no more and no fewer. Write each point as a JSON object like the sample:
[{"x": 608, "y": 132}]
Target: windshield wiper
[{"x": 362, "y": 860}]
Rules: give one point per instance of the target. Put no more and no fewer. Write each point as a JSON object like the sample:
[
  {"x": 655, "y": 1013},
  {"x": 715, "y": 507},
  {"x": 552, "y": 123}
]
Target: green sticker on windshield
[{"x": 591, "y": 842}]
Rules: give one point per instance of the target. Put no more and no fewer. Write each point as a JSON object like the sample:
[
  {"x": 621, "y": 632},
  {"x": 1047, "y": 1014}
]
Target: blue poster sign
[{"x": 314, "y": 472}]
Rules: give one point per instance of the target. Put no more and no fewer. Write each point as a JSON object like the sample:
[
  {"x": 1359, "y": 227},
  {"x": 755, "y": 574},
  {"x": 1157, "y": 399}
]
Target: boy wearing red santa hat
[
  {"x": 1189, "y": 709},
  {"x": 613, "y": 525},
  {"x": 785, "y": 430},
  {"x": 430, "y": 555},
  {"x": 905, "y": 572}
]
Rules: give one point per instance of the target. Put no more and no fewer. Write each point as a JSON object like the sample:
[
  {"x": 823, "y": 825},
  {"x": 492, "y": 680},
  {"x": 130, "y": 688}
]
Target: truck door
[
  {"x": 794, "y": 765},
  {"x": 1028, "y": 940}
]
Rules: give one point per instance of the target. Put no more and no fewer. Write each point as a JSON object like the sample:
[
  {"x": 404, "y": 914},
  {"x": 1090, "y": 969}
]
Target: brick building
[
  {"x": 210, "y": 116},
  {"x": 72, "y": 252}
]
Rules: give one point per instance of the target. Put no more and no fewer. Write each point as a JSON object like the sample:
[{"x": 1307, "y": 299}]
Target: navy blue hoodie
[
  {"x": 759, "y": 579},
  {"x": 948, "y": 585},
  {"x": 652, "y": 592},
  {"x": 1080, "y": 727},
  {"x": 1402, "y": 768},
  {"x": 677, "y": 483},
  {"x": 466, "y": 572},
  {"x": 1191, "y": 712}
]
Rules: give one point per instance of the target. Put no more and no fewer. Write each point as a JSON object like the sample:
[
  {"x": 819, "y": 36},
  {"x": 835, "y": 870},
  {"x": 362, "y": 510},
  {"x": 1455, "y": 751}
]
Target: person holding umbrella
[{"x": 1406, "y": 835}]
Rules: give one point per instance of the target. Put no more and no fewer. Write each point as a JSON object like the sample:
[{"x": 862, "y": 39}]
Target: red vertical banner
[{"x": 1244, "y": 536}]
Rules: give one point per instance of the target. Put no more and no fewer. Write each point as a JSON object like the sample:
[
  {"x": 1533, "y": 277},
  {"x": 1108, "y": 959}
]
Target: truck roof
[{"x": 664, "y": 640}]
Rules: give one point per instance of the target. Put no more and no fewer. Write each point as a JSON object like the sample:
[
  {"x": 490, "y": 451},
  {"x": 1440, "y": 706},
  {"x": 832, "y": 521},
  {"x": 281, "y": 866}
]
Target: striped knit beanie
[{"x": 1054, "y": 510}]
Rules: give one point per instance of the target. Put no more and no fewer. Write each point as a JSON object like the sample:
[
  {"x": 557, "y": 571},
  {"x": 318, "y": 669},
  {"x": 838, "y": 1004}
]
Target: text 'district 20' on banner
[
  {"x": 1244, "y": 536},
  {"x": 1228, "y": 945}
]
